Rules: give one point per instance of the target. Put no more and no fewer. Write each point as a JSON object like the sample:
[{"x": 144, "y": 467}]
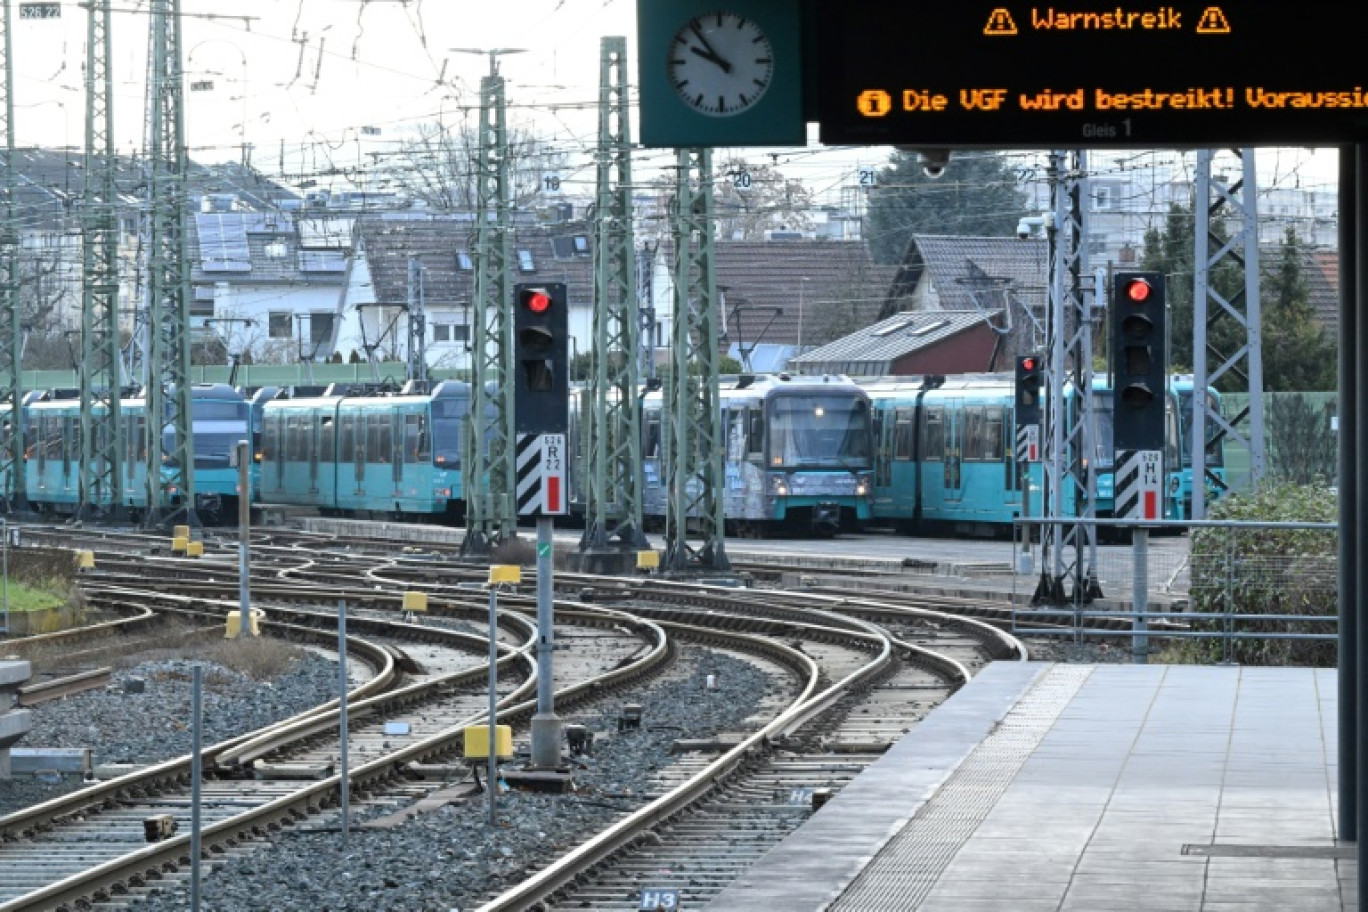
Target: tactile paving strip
[{"x": 909, "y": 864}]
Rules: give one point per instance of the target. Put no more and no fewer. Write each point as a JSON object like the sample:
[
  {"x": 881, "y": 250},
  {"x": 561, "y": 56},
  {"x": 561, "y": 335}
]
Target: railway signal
[
  {"x": 541, "y": 390},
  {"x": 1030, "y": 379},
  {"x": 542, "y": 382},
  {"x": 1140, "y": 366},
  {"x": 1139, "y": 361}
]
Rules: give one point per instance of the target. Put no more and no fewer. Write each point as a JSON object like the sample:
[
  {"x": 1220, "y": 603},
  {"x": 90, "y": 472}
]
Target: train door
[
  {"x": 954, "y": 437},
  {"x": 314, "y": 431},
  {"x": 396, "y": 447},
  {"x": 883, "y": 447}
]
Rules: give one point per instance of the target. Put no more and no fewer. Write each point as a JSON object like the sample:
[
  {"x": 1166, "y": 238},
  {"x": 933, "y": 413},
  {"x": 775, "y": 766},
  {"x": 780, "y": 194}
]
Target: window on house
[
  {"x": 441, "y": 332},
  {"x": 1102, "y": 198},
  {"x": 460, "y": 332},
  {"x": 278, "y": 325},
  {"x": 525, "y": 263},
  {"x": 464, "y": 262},
  {"x": 320, "y": 332}
]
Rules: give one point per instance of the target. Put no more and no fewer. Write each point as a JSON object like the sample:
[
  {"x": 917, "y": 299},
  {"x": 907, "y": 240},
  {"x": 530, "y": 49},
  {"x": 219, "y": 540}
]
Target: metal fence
[{"x": 1248, "y": 592}]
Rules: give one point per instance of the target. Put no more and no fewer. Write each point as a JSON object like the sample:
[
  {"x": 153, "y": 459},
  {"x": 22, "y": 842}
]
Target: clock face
[{"x": 720, "y": 64}]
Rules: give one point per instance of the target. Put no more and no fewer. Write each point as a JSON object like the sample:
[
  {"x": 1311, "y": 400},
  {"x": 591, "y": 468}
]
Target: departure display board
[{"x": 1021, "y": 75}]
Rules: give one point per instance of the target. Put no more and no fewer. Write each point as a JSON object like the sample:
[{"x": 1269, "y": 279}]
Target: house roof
[
  {"x": 49, "y": 184},
  {"x": 882, "y": 344},
  {"x": 834, "y": 285},
  {"x": 973, "y": 273},
  {"x": 555, "y": 253},
  {"x": 266, "y": 248}
]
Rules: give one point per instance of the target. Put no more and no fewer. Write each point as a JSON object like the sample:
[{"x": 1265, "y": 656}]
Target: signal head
[{"x": 1138, "y": 291}]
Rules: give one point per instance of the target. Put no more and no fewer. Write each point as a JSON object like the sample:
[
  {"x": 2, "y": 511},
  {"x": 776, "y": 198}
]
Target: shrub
[{"x": 1268, "y": 571}]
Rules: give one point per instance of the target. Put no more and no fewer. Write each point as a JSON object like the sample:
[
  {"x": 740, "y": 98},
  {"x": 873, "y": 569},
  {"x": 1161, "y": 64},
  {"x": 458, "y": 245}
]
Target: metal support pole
[
  {"x": 244, "y": 465},
  {"x": 345, "y": 785},
  {"x": 546, "y": 727},
  {"x": 1350, "y": 369},
  {"x": 1357, "y": 268},
  {"x": 196, "y": 771},
  {"x": 493, "y": 766},
  {"x": 1140, "y": 595}
]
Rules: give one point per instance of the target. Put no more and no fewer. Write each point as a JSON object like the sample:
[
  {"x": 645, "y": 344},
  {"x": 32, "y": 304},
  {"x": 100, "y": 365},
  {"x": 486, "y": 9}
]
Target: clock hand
[
  {"x": 708, "y": 55},
  {"x": 711, "y": 54}
]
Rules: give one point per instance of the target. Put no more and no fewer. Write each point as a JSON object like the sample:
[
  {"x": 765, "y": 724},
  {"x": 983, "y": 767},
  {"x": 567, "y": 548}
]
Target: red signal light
[
  {"x": 1028, "y": 364},
  {"x": 539, "y": 302},
  {"x": 1139, "y": 291}
]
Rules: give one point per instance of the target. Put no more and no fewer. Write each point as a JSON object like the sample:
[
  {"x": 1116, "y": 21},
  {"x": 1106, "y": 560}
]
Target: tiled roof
[
  {"x": 896, "y": 337},
  {"x": 49, "y": 184},
  {"x": 437, "y": 239},
  {"x": 969, "y": 273},
  {"x": 834, "y": 284}
]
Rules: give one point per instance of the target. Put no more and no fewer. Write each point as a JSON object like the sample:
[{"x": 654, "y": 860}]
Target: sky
[{"x": 308, "y": 83}]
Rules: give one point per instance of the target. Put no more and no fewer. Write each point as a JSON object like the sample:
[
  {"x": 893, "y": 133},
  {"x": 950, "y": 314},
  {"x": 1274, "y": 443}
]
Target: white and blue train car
[{"x": 799, "y": 454}]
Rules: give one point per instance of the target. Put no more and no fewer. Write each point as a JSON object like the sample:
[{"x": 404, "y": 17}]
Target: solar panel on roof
[{"x": 223, "y": 242}]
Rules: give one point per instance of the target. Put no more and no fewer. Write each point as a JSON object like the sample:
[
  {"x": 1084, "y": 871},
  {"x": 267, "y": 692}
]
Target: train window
[
  {"x": 448, "y": 429},
  {"x": 378, "y": 443},
  {"x": 755, "y": 436},
  {"x": 1172, "y": 446},
  {"x": 993, "y": 443},
  {"x": 212, "y": 410},
  {"x": 933, "y": 435},
  {"x": 326, "y": 442},
  {"x": 902, "y": 433},
  {"x": 346, "y": 438},
  {"x": 736, "y": 434},
  {"x": 270, "y": 436},
  {"x": 974, "y": 434},
  {"x": 651, "y": 431},
  {"x": 827, "y": 430},
  {"x": 296, "y": 443},
  {"x": 414, "y": 442}
]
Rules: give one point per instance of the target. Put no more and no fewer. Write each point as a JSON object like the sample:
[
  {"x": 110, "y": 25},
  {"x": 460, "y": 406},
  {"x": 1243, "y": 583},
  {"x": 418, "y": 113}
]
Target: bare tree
[
  {"x": 751, "y": 199},
  {"x": 439, "y": 165}
]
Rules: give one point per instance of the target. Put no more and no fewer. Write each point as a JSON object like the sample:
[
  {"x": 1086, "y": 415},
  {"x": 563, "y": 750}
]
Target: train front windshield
[
  {"x": 808, "y": 432},
  {"x": 218, "y": 426},
  {"x": 1215, "y": 453},
  {"x": 448, "y": 416}
]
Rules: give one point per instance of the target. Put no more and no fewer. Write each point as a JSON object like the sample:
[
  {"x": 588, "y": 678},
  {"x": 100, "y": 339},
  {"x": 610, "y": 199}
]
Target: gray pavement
[{"x": 1080, "y": 788}]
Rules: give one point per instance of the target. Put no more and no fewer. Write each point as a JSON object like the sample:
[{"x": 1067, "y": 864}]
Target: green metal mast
[
  {"x": 490, "y": 469},
  {"x": 168, "y": 283},
  {"x": 613, "y": 445},
  {"x": 102, "y": 477},
  {"x": 693, "y": 470},
  {"x": 11, "y": 322}
]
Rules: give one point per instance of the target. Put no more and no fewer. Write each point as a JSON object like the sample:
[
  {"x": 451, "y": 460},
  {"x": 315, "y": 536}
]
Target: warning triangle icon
[
  {"x": 1213, "y": 22},
  {"x": 1000, "y": 23}
]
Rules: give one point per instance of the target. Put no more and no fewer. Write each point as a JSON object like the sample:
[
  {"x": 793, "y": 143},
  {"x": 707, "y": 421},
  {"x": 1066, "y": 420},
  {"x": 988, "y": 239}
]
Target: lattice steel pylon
[
  {"x": 170, "y": 442},
  {"x": 612, "y": 454},
  {"x": 11, "y": 312},
  {"x": 490, "y": 473},
  {"x": 102, "y": 476},
  {"x": 1245, "y": 363},
  {"x": 693, "y": 445},
  {"x": 1070, "y": 445}
]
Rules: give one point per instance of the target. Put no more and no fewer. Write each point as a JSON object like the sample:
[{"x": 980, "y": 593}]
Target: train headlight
[
  {"x": 861, "y": 488},
  {"x": 779, "y": 486},
  {"x": 443, "y": 492}
]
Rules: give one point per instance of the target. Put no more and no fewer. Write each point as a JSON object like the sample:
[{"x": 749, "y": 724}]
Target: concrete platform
[{"x": 1086, "y": 788}]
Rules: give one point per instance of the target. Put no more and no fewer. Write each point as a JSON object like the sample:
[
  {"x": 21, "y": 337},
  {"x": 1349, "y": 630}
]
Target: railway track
[{"x": 851, "y": 679}]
